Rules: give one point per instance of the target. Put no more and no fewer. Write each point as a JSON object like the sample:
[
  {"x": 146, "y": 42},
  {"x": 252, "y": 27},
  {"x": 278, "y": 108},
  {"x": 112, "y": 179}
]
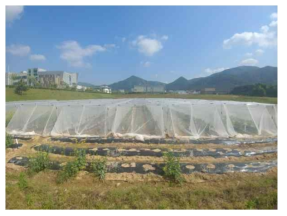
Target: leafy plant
[
  {"x": 39, "y": 163},
  {"x": 99, "y": 168},
  {"x": 73, "y": 167},
  {"x": 79, "y": 141},
  {"x": 22, "y": 182},
  {"x": 9, "y": 140},
  {"x": 172, "y": 169}
]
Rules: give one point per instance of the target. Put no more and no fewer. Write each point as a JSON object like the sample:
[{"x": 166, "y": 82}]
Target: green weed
[
  {"x": 99, "y": 168},
  {"x": 172, "y": 169},
  {"x": 39, "y": 163},
  {"x": 72, "y": 168},
  {"x": 9, "y": 140},
  {"x": 22, "y": 181}
]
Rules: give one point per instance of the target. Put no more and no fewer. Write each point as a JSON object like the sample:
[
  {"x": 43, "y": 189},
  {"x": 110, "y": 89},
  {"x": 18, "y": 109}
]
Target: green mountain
[
  {"x": 228, "y": 79},
  {"x": 89, "y": 85},
  {"x": 132, "y": 81},
  {"x": 181, "y": 83}
]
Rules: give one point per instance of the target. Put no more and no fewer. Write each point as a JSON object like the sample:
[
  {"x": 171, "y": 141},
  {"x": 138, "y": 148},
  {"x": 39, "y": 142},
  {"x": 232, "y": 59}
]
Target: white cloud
[
  {"x": 13, "y": 13},
  {"x": 74, "y": 54},
  {"x": 273, "y": 16},
  {"x": 147, "y": 46},
  {"x": 273, "y": 24},
  {"x": 249, "y": 54},
  {"x": 265, "y": 38},
  {"x": 265, "y": 29},
  {"x": 146, "y": 64},
  {"x": 249, "y": 62},
  {"x": 37, "y": 57},
  {"x": 110, "y": 45},
  {"x": 123, "y": 39},
  {"x": 165, "y": 37},
  {"x": 214, "y": 70},
  {"x": 18, "y": 50},
  {"x": 259, "y": 52}
]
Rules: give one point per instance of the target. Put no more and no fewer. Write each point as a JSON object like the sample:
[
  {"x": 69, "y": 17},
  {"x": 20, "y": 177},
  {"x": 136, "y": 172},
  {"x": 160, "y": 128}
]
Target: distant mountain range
[
  {"x": 130, "y": 82},
  {"x": 87, "y": 84},
  {"x": 222, "y": 81},
  {"x": 228, "y": 79}
]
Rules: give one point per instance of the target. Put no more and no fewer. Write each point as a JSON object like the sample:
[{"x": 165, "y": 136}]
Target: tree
[
  {"x": 258, "y": 90},
  {"x": 21, "y": 87},
  {"x": 33, "y": 81}
]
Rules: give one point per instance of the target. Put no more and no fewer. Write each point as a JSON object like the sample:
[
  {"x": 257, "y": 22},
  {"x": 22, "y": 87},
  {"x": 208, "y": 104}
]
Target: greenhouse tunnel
[{"x": 145, "y": 118}]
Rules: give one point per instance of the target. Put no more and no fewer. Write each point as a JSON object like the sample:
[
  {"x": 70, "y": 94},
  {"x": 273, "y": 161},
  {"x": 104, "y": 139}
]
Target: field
[
  {"x": 130, "y": 189},
  {"x": 46, "y": 94}
]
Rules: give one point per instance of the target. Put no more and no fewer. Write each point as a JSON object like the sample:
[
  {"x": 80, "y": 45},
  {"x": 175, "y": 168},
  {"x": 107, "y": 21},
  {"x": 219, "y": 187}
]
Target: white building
[
  {"x": 81, "y": 88},
  {"x": 107, "y": 89}
]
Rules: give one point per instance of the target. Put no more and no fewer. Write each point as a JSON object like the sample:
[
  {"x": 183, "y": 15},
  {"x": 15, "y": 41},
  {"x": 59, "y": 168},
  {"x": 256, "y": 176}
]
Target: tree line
[{"x": 259, "y": 90}]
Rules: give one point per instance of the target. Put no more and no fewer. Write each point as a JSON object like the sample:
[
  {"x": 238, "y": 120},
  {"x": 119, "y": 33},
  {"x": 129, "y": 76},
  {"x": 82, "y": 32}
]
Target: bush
[
  {"x": 21, "y": 87},
  {"x": 99, "y": 168},
  {"x": 172, "y": 169},
  {"x": 9, "y": 140},
  {"x": 72, "y": 168},
  {"x": 22, "y": 182},
  {"x": 39, "y": 163}
]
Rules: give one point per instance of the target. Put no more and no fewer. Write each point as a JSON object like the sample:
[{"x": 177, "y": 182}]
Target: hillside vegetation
[{"x": 256, "y": 90}]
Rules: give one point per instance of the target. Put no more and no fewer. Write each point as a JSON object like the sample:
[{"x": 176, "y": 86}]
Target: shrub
[
  {"x": 172, "y": 169},
  {"x": 79, "y": 141},
  {"x": 22, "y": 181},
  {"x": 9, "y": 140},
  {"x": 72, "y": 168},
  {"x": 39, "y": 163},
  {"x": 21, "y": 87},
  {"x": 99, "y": 168}
]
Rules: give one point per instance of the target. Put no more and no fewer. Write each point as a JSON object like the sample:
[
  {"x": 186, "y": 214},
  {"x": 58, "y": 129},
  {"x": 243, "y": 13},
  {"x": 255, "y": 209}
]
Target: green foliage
[
  {"x": 22, "y": 181},
  {"x": 39, "y": 163},
  {"x": 21, "y": 87},
  {"x": 9, "y": 140},
  {"x": 79, "y": 141},
  {"x": 172, "y": 169},
  {"x": 99, "y": 168},
  {"x": 260, "y": 90},
  {"x": 72, "y": 168}
]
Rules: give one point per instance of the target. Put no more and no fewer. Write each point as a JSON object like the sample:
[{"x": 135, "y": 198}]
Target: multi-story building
[
  {"x": 58, "y": 78},
  {"x": 45, "y": 78},
  {"x": 150, "y": 89},
  {"x": 12, "y": 78}
]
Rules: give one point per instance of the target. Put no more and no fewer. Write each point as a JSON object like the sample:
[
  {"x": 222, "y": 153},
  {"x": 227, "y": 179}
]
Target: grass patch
[
  {"x": 48, "y": 94},
  {"x": 22, "y": 181},
  {"x": 246, "y": 191}
]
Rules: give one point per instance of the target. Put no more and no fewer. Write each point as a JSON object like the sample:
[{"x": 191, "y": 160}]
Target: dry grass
[{"x": 237, "y": 191}]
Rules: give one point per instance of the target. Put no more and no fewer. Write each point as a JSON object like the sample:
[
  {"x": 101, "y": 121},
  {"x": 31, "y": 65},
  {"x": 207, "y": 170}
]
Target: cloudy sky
[{"x": 108, "y": 44}]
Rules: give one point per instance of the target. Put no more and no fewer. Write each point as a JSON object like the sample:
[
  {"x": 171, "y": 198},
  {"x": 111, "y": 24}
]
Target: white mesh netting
[{"x": 143, "y": 118}]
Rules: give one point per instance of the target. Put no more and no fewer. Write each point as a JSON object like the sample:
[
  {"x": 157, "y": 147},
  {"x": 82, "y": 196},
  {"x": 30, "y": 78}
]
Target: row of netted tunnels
[{"x": 143, "y": 118}]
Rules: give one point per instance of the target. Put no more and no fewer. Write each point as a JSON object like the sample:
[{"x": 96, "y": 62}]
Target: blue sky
[{"x": 108, "y": 44}]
